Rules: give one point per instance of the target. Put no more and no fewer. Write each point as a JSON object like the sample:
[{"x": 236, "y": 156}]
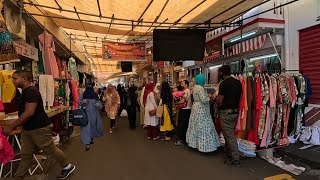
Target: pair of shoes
[
  {"x": 235, "y": 163},
  {"x": 91, "y": 142},
  {"x": 111, "y": 131},
  {"x": 66, "y": 172},
  {"x": 87, "y": 147},
  {"x": 178, "y": 143},
  {"x": 156, "y": 138},
  {"x": 149, "y": 137}
]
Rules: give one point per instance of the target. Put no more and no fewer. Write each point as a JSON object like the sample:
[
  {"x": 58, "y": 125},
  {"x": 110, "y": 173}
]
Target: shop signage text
[{"x": 26, "y": 50}]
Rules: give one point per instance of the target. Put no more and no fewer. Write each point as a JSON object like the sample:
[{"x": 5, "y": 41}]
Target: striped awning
[{"x": 248, "y": 45}]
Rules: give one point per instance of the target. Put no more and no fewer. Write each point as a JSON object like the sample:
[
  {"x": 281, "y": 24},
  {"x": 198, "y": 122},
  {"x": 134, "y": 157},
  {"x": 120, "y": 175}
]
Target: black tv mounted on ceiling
[
  {"x": 126, "y": 66},
  {"x": 178, "y": 44}
]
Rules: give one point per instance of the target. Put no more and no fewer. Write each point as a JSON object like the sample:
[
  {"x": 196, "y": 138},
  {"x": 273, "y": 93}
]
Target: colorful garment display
[
  {"x": 72, "y": 67},
  {"x": 7, "y": 50},
  {"x": 278, "y": 104},
  {"x": 8, "y": 89},
  {"x": 47, "y": 47}
]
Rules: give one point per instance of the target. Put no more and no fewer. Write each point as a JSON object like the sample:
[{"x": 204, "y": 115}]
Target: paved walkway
[{"x": 128, "y": 155}]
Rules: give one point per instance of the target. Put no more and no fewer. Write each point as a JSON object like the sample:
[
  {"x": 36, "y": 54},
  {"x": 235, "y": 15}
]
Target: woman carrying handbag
[{"x": 150, "y": 118}]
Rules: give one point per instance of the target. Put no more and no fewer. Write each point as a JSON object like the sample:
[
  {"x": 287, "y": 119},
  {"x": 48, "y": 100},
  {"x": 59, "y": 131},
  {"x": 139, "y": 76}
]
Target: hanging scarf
[
  {"x": 147, "y": 91},
  {"x": 200, "y": 80}
]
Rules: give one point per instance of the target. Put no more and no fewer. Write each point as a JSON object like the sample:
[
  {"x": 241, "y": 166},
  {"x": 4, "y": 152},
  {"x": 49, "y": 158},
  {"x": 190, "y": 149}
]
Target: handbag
[
  {"x": 80, "y": 117},
  {"x": 153, "y": 112},
  {"x": 159, "y": 112}
]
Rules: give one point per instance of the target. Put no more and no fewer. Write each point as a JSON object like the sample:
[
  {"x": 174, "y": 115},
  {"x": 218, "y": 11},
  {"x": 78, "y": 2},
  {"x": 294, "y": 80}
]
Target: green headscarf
[{"x": 200, "y": 80}]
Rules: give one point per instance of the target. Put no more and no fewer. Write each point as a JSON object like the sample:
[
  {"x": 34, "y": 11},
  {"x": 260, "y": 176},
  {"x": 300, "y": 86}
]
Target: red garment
[
  {"x": 148, "y": 89},
  {"x": 75, "y": 95},
  {"x": 241, "y": 106},
  {"x": 59, "y": 66},
  {"x": 152, "y": 132},
  {"x": 6, "y": 151},
  {"x": 253, "y": 134}
]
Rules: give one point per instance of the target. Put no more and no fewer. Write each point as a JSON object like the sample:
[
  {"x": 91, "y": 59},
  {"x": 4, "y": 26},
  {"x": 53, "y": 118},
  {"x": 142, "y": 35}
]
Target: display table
[{"x": 8, "y": 118}]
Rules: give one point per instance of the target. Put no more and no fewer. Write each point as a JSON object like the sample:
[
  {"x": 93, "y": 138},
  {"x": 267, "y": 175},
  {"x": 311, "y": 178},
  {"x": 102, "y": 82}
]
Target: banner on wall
[{"x": 115, "y": 51}]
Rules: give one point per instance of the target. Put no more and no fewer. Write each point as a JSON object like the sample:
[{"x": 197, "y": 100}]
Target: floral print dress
[{"x": 201, "y": 132}]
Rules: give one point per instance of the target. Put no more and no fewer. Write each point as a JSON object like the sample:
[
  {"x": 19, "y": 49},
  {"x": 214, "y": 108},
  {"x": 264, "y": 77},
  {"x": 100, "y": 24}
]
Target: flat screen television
[
  {"x": 126, "y": 66},
  {"x": 178, "y": 44}
]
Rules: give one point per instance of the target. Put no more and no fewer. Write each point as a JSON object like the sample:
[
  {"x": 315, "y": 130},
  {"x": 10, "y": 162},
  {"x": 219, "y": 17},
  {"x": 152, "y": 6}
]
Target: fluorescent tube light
[
  {"x": 212, "y": 67},
  {"x": 243, "y": 36},
  {"x": 262, "y": 57}
]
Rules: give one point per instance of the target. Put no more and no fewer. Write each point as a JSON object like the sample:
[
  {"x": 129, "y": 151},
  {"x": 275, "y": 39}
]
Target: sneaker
[
  {"x": 234, "y": 163},
  {"x": 178, "y": 143},
  {"x": 66, "y": 172}
]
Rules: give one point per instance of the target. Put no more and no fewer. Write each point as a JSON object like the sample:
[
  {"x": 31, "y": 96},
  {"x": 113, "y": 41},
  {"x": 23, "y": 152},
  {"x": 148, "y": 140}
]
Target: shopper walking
[
  {"x": 166, "y": 125},
  {"x": 140, "y": 100},
  {"x": 112, "y": 105},
  {"x": 121, "y": 94},
  {"x": 201, "y": 133},
  {"x": 184, "y": 114},
  {"x": 150, "y": 119},
  {"x": 90, "y": 100},
  {"x": 36, "y": 127},
  {"x": 230, "y": 91},
  {"x": 132, "y": 106}
]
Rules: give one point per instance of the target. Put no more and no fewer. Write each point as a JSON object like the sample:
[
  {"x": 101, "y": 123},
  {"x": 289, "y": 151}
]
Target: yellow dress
[
  {"x": 167, "y": 125},
  {"x": 8, "y": 89}
]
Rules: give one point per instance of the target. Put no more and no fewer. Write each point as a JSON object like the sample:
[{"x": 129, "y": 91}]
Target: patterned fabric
[
  {"x": 7, "y": 50},
  {"x": 201, "y": 133}
]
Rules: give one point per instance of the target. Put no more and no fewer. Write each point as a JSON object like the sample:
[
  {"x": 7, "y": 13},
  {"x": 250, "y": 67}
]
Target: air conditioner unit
[{"x": 14, "y": 21}]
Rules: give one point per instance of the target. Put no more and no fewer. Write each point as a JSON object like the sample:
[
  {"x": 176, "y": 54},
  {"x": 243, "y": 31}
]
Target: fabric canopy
[{"x": 89, "y": 22}]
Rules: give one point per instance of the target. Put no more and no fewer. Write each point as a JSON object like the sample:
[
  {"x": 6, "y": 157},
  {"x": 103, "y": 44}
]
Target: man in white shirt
[{"x": 184, "y": 114}]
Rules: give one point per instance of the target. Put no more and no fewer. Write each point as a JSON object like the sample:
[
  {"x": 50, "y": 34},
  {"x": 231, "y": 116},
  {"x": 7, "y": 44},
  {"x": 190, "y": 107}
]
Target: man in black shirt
[
  {"x": 36, "y": 127},
  {"x": 230, "y": 90}
]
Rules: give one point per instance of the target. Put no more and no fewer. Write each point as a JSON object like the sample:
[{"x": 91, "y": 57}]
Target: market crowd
[{"x": 186, "y": 113}]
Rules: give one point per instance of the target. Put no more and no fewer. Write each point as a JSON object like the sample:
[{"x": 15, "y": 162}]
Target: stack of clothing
[{"x": 247, "y": 148}]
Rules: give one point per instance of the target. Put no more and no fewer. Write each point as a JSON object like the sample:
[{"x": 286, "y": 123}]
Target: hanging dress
[
  {"x": 47, "y": 47},
  {"x": 7, "y": 51}
]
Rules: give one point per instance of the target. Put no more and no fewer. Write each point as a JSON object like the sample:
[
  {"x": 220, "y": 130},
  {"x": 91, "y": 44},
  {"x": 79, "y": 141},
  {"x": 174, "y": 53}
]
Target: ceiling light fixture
[
  {"x": 243, "y": 36},
  {"x": 262, "y": 57},
  {"x": 212, "y": 67}
]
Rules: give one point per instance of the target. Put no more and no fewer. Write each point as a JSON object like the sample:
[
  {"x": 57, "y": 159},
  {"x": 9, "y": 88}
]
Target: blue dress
[
  {"x": 94, "y": 127},
  {"x": 201, "y": 133}
]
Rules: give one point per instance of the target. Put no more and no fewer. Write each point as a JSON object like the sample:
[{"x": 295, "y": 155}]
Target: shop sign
[
  {"x": 213, "y": 47},
  {"x": 26, "y": 50},
  {"x": 115, "y": 51}
]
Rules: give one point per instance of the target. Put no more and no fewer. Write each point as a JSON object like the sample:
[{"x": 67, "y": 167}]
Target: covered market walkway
[{"x": 128, "y": 155}]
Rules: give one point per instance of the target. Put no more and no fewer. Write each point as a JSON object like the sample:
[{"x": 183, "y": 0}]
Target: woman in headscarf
[
  {"x": 156, "y": 92},
  {"x": 132, "y": 106},
  {"x": 90, "y": 100},
  {"x": 201, "y": 132},
  {"x": 112, "y": 105},
  {"x": 166, "y": 121},
  {"x": 150, "y": 120}
]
